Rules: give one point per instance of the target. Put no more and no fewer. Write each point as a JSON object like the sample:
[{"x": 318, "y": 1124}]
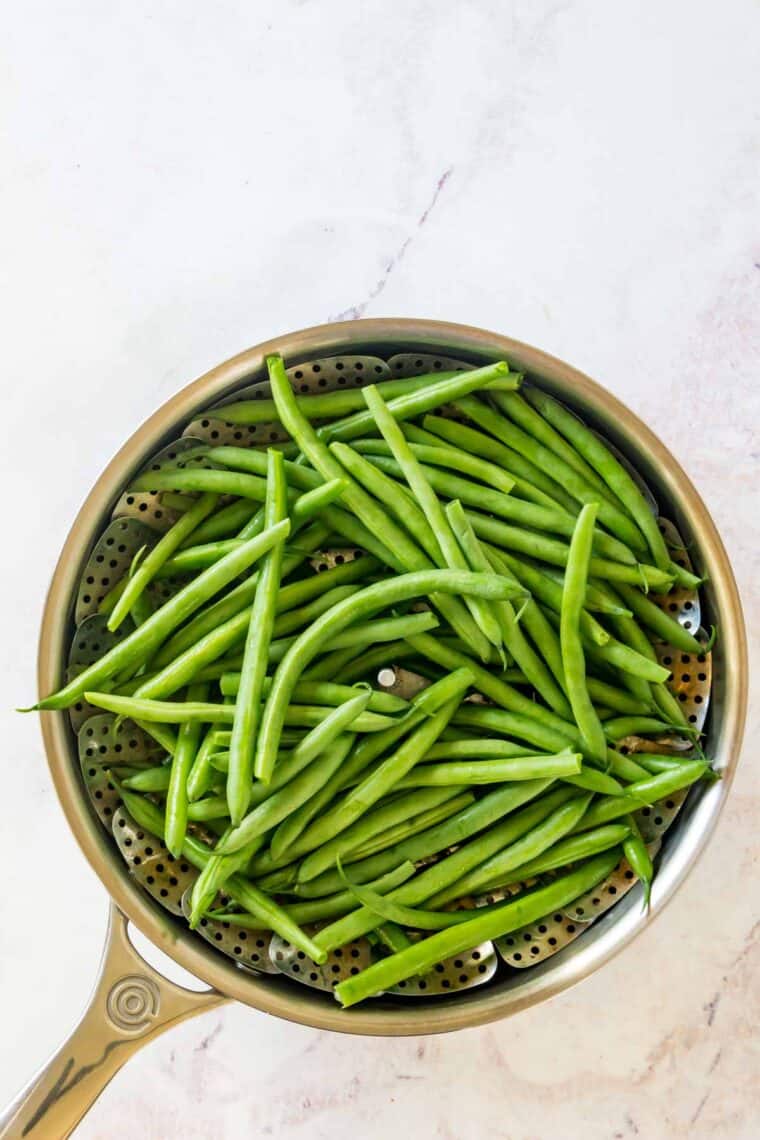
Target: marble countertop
[{"x": 182, "y": 181}]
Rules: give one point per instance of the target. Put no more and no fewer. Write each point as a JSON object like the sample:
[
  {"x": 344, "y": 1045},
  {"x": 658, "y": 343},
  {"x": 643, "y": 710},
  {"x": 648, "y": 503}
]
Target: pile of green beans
[{"x": 505, "y": 558}]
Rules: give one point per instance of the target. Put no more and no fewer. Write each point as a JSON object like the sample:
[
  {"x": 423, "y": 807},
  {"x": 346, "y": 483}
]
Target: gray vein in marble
[
  {"x": 209, "y": 1038},
  {"x": 358, "y": 310}
]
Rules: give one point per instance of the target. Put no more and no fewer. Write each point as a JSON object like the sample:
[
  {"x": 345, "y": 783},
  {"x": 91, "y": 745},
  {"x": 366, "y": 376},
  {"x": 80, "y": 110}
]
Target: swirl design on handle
[{"x": 132, "y": 1003}]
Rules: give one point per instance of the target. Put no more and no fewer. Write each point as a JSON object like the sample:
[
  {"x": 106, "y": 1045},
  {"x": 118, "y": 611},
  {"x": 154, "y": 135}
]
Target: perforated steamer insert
[
  {"x": 138, "y": 518},
  {"x": 133, "y": 1002}
]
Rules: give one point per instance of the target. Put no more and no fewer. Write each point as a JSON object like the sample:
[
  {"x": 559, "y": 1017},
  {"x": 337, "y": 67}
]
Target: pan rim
[{"x": 278, "y": 995}]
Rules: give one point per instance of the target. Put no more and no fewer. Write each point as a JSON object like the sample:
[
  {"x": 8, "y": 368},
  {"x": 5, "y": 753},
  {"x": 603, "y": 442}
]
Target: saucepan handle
[{"x": 131, "y": 1004}]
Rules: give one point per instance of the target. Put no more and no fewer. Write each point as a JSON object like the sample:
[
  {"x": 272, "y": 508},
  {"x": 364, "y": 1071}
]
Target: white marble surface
[{"x": 183, "y": 180}]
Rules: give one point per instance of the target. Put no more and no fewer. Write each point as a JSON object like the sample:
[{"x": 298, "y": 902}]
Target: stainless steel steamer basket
[{"x": 133, "y": 1003}]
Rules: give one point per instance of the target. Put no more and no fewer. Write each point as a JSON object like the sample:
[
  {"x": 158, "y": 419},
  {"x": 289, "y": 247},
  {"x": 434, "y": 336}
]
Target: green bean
[
  {"x": 349, "y": 714},
  {"x": 250, "y": 690},
  {"x": 329, "y": 664},
  {"x": 610, "y": 515},
  {"x": 614, "y": 474},
  {"x": 541, "y": 734},
  {"x": 428, "y": 448},
  {"x": 449, "y": 552},
  {"x": 655, "y": 764},
  {"x": 204, "y": 479},
  {"x": 362, "y": 755},
  {"x": 403, "y": 506},
  {"x": 332, "y": 906},
  {"x": 367, "y": 633},
  {"x": 617, "y": 728},
  {"x": 393, "y": 937},
  {"x": 529, "y": 846},
  {"x": 148, "y": 816},
  {"x": 217, "y": 870},
  {"x": 528, "y": 660},
  {"x": 684, "y": 577},
  {"x": 322, "y": 693},
  {"x": 178, "y": 712},
  {"x": 551, "y": 550},
  {"x": 404, "y": 829},
  {"x": 380, "y": 779},
  {"x": 367, "y": 601},
  {"x": 403, "y": 552},
  {"x": 193, "y": 558},
  {"x": 438, "y": 876},
  {"x": 414, "y": 404},
  {"x": 212, "y": 807},
  {"x": 466, "y": 823},
  {"x": 200, "y": 774},
  {"x": 367, "y": 827},
  {"x": 569, "y": 850},
  {"x": 573, "y": 595},
  {"x": 295, "y": 619},
  {"x": 401, "y": 914},
  {"x": 603, "y": 693},
  {"x": 182, "y": 760},
  {"x": 198, "y": 655},
  {"x": 137, "y": 646},
  {"x": 644, "y": 792},
  {"x": 374, "y": 659},
  {"x": 530, "y": 482},
  {"x": 476, "y": 772},
  {"x": 635, "y": 851},
  {"x": 425, "y": 954},
  {"x": 324, "y": 405},
  {"x": 296, "y": 822},
  {"x": 149, "y": 779},
  {"x": 548, "y": 591},
  {"x": 155, "y": 559},
  {"x": 177, "y": 502},
  {"x": 476, "y": 748},
  {"x": 216, "y": 614},
  {"x": 225, "y": 523},
  {"x": 660, "y": 622},
  {"x": 553, "y": 519},
  {"x": 161, "y": 733},
  {"x": 592, "y": 780},
  {"x": 521, "y": 413},
  {"x": 271, "y": 811}
]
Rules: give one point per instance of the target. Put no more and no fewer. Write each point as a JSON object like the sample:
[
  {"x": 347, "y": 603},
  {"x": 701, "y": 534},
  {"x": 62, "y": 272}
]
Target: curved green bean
[
  {"x": 367, "y": 601},
  {"x": 529, "y": 846},
  {"x": 423, "y": 955},
  {"x": 160, "y": 553}
]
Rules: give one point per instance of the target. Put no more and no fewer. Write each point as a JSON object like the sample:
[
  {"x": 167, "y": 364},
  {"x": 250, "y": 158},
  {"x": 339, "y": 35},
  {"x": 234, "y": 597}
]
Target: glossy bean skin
[
  {"x": 615, "y": 476},
  {"x": 136, "y": 647},
  {"x": 138, "y": 582},
  {"x": 403, "y": 552},
  {"x": 188, "y": 739},
  {"x": 449, "y": 552},
  {"x": 254, "y": 667},
  {"x": 433, "y": 880},
  {"x": 414, "y": 404},
  {"x": 249, "y": 896},
  {"x": 424, "y": 955},
  {"x": 367, "y": 601},
  {"x": 573, "y": 660},
  {"x": 327, "y": 405}
]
